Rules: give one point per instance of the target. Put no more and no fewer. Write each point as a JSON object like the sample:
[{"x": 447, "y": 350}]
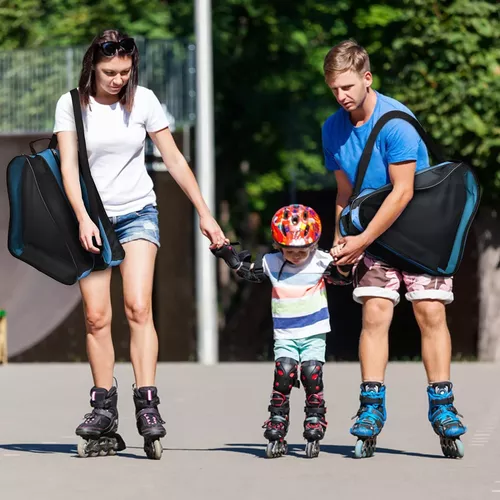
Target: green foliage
[
  {"x": 439, "y": 57},
  {"x": 35, "y": 23},
  {"x": 445, "y": 65},
  {"x": 270, "y": 95},
  {"x": 29, "y": 81}
]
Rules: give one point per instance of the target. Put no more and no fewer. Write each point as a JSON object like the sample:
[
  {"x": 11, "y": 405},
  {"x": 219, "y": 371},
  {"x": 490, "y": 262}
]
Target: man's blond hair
[{"x": 346, "y": 56}]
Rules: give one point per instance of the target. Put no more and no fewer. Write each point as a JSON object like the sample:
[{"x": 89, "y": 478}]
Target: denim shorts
[
  {"x": 306, "y": 349},
  {"x": 141, "y": 225}
]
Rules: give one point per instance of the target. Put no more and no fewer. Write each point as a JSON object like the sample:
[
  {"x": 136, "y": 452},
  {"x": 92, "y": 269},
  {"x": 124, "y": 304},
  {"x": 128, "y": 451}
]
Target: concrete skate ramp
[{"x": 35, "y": 304}]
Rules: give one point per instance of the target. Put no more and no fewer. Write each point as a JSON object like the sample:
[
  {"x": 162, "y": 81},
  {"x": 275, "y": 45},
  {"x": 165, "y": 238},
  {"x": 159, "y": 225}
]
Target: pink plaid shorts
[{"x": 374, "y": 278}]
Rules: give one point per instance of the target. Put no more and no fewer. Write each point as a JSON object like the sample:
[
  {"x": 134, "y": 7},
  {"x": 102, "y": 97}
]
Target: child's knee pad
[
  {"x": 286, "y": 375},
  {"x": 312, "y": 376}
]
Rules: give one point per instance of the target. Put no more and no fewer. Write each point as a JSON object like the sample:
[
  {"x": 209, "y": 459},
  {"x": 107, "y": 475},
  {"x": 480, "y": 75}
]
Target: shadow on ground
[
  {"x": 298, "y": 450},
  {"x": 69, "y": 449}
]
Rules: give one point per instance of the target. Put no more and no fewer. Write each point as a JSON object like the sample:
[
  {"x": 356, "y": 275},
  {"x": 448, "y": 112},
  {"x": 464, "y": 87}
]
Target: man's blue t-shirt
[{"x": 398, "y": 141}]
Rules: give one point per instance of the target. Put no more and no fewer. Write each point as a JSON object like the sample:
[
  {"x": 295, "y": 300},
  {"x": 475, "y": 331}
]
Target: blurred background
[{"x": 440, "y": 58}]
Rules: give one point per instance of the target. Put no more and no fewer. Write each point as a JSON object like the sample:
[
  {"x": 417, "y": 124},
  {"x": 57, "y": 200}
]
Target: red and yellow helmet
[{"x": 296, "y": 226}]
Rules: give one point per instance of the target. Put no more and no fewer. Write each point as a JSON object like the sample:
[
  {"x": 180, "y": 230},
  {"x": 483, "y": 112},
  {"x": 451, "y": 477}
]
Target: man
[{"x": 398, "y": 154}]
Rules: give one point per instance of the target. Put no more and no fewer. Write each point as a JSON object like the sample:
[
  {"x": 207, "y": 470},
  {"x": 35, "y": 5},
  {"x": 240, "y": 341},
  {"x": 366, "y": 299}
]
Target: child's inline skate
[
  {"x": 276, "y": 426},
  {"x": 314, "y": 424},
  {"x": 315, "y": 409}
]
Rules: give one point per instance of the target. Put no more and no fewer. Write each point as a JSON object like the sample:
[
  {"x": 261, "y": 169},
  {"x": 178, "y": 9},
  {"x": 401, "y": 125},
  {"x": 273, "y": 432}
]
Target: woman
[{"x": 117, "y": 114}]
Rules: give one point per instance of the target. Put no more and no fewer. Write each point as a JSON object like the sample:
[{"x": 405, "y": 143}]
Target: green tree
[
  {"x": 445, "y": 64},
  {"x": 441, "y": 58},
  {"x": 270, "y": 95},
  {"x": 31, "y": 82},
  {"x": 35, "y": 23}
]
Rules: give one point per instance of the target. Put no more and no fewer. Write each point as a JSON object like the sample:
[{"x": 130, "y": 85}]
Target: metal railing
[{"x": 31, "y": 82}]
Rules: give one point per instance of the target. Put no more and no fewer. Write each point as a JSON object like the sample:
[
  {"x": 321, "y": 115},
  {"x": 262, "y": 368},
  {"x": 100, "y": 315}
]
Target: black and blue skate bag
[
  {"x": 43, "y": 229},
  {"x": 430, "y": 234}
]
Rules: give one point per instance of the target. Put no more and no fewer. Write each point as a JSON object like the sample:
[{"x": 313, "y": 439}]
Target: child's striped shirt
[{"x": 299, "y": 303}]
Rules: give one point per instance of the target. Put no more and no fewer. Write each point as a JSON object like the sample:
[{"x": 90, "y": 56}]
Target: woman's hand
[
  {"x": 88, "y": 230},
  {"x": 212, "y": 230}
]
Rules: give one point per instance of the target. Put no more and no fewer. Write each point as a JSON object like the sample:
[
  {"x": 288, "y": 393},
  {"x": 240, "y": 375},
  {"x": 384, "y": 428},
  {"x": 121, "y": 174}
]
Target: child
[{"x": 300, "y": 315}]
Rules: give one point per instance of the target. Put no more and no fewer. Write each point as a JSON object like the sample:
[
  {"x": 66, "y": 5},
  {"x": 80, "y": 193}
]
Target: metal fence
[{"x": 31, "y": 82}]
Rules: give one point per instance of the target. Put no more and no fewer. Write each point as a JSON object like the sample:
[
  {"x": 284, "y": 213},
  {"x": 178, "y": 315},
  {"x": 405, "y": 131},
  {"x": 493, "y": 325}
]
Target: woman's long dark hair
[{"x": 94, "y": 55}]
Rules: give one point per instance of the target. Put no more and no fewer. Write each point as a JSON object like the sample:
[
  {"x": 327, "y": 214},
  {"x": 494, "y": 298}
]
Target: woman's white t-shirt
[{"x": 115, "y": 147}]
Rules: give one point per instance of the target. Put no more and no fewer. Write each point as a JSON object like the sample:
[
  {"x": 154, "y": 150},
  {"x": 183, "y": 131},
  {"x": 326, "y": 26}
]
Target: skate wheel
[
  {"x": 153, "y": 449},
  {"x": 312, "y": 449},
  {"x": 276, "y": 449},
  {"x": 365, "y": 448},
  {"x": 82, "y": 448},
  {"x": 452, "y": 447}
]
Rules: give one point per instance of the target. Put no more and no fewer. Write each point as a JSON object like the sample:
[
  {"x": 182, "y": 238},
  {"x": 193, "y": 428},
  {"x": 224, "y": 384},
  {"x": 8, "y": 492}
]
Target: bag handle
[
  {"x": 52, "y": 143},
  {"x": 83, "y": 159},
  {"x": 432, "y": 147}
]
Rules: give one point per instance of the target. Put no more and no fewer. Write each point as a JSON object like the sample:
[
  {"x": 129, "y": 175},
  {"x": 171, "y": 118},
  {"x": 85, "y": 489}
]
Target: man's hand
[{"x": 351, "y": 251}]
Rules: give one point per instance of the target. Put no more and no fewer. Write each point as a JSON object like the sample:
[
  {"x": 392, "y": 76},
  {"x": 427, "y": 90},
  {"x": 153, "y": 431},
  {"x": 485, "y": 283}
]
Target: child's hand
[
  {"x": 228, "y": 254},
  {"x": 335, "y": 250}
]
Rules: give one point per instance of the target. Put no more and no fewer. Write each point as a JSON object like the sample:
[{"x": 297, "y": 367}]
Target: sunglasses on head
[{"x": 127, "y": 45}]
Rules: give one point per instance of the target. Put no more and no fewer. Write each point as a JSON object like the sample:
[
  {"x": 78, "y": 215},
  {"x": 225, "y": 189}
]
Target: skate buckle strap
[
  {"x": 439, "y": 410},
  {"x": 371, "y": 400},
  {"x": 103, "y": 404},
  {"x": 311, "y": 410},
  {"x": 278, "y": 410},
  {"x": 368, "y": 412},
  {"x": 153, "y": 402},
  {"x": 98, "y": 411},
  {"x": 443, "y": 401}
]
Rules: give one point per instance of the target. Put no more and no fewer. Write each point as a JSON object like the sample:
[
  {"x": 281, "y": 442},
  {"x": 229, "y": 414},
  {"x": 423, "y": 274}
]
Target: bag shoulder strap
[
  {"x": 364, "y": 161},
  {"x": 83, "y": 158}
]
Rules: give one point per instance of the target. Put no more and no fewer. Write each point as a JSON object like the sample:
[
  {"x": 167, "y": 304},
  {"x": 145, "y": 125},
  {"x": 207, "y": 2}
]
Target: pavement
[{"x": 214, "y": 448}]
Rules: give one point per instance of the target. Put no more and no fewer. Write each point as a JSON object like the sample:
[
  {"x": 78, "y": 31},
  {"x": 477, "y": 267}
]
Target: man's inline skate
[
  {"x": 149, "y": 421},
  {"x": 98, "y": 431},
  {"x": 371, "y": 417},
  {"x": 443, "y": 417}
]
